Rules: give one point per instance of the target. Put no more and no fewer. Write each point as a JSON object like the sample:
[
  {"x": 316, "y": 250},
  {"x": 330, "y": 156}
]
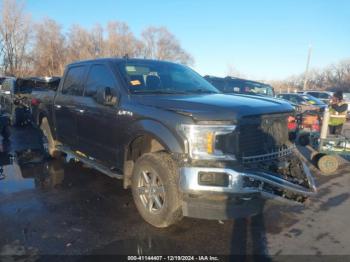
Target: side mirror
[{"x": 106, "y": 96}]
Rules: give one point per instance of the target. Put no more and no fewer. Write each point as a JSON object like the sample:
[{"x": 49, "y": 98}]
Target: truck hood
[{"x": 216, "y": 106}]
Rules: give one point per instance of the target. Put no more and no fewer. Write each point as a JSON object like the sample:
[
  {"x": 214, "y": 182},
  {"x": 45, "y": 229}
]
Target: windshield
[
  {"x": 319, "y": 95},
  {"x": 346, "y": 96},
  {"x": 163, "y": 78},
  {"x": 312, "y": 100},
  {"x": 259, "y": 89}
]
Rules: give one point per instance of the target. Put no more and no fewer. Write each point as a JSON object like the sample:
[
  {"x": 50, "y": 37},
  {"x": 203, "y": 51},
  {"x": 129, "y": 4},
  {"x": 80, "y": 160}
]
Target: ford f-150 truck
[{"x": 182, "y": 147}]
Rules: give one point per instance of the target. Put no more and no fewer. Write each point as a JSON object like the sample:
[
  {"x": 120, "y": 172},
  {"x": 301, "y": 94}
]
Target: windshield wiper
[
  {"x": 157, "y": 91},
  {"x": 202, "y": 91}
]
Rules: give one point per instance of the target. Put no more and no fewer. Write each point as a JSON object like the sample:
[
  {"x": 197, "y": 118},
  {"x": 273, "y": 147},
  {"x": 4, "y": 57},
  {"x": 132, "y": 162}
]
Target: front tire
[{"x": 155, "y": 189}]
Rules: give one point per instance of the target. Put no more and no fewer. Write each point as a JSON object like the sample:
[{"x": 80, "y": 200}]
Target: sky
[{"x": 262, "y": 39}]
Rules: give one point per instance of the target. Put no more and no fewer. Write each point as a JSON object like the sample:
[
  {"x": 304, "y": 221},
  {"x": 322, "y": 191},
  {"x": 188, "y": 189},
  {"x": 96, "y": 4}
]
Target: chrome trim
[
  {"x": 269, "y": 156},
  {"x": 189, "y": 182}
]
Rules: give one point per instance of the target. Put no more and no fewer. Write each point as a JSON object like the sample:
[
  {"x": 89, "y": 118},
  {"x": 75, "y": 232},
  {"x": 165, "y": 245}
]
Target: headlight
[{"x": 202, "y": 139}]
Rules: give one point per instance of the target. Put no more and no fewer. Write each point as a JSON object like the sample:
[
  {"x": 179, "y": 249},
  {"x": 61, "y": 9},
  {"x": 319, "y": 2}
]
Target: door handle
[{"x": 81, "y": 111}]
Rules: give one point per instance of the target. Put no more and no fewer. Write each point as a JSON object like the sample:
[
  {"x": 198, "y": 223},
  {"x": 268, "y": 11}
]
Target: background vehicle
[
  {"x": 43, "y": 87},
  {"x": 14, "y": 100},
  {"x": 20, "y": 95},
  {"x": 231, "y": 85},
  {"x": 324, "y": 96},
  {"x": 2, "y": 79},
  {"x": 306, "y": 102},
  {"x": 183, "y": 148}
]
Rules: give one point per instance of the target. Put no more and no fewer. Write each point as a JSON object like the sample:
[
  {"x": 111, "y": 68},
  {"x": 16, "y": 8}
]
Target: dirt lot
[{"x": 58, "y": 208}]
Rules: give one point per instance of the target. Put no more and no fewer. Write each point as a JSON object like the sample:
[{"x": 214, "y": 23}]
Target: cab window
[
  {"x": 73, "y": 81},
  {"x": 99, "y": 77}
]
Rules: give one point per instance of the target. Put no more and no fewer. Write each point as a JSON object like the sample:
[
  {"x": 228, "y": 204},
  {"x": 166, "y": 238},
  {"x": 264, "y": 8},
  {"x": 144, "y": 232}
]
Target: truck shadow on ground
[{"x": 249, "y": 237}]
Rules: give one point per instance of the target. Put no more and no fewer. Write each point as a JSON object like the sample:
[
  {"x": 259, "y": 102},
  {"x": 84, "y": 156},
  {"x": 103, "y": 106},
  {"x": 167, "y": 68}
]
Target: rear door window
[{"x": 73, "y": 81}]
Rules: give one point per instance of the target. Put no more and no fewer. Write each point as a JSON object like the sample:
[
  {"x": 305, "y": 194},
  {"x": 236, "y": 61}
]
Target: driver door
[{"x": 98, "y": 124}]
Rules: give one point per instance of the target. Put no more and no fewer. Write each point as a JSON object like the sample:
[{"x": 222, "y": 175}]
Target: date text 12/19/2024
[{"x": 173, "y": 258}]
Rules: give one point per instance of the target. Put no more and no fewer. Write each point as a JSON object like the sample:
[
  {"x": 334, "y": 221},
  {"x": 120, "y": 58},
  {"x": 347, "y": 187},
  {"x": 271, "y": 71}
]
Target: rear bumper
[{"x": 241, "y": 200}]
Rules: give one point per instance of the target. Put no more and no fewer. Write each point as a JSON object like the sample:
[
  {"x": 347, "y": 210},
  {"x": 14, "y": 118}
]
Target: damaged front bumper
[{"x": 243, "y": 192}]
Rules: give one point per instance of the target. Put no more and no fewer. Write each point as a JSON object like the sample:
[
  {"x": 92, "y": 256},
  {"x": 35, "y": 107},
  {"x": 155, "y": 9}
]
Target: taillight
[
  {"x": 316, "y": 126},
  {"x": 292, "y": 124},
  {"x": 35, "y": 102}
]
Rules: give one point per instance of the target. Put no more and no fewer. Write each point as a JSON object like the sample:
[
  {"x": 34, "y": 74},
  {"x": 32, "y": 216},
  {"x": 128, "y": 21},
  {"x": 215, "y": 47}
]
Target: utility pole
[{"x": 307, "y": 68}]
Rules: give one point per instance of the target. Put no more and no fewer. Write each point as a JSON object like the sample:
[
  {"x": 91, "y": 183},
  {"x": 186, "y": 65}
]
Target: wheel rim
[{"x": 150, "y": 190}]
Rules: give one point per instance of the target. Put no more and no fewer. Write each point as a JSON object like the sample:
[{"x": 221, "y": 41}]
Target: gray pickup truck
[{"x": 183, "y": 148}]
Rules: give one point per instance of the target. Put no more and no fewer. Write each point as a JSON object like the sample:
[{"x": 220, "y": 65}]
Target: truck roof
[{"x": 119, "y": 60}]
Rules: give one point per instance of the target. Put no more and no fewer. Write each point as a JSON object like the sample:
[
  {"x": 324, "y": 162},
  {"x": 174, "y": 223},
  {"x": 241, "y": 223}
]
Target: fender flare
[{"x": 168, "y": 139}]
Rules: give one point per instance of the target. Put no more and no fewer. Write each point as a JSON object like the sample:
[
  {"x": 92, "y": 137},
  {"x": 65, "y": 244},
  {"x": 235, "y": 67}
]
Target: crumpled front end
[
  {"x": 222, "y": 193},
  {"x": 264, "y": 164}
]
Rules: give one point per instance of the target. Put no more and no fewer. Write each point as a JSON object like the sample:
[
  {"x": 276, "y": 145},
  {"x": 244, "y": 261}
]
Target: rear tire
[
  {"x": 48, "y": 141},
  {"x": 155, "y": 189}
]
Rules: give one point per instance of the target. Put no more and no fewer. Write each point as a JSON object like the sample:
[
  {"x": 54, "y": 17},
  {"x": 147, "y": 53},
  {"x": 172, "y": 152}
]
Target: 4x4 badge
[{"x": 124, "y": 113}]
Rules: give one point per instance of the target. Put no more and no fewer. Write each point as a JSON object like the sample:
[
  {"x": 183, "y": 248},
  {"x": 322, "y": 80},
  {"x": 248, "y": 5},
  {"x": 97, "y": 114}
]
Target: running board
[{"x": 89, "y": 162}]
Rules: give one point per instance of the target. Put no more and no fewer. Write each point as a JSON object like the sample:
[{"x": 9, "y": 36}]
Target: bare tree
[
  {"x": 1, "y": 54},
  {"x": 80, "y": 44},
  {"x": 98, "y": 43},
  {"x": 232, "y": 71},
  {"x": 159, "y": 43},
  {"x": 336, "y": 76},
  {"x": 15, "y": 32},
  {"x": 121, "y": 41},
  {"x": 49, "y": 49}
]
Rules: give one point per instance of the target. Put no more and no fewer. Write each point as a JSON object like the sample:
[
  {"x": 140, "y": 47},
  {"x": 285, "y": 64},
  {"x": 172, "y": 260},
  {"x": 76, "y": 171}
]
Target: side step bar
[{"x": 89, "y": 162}]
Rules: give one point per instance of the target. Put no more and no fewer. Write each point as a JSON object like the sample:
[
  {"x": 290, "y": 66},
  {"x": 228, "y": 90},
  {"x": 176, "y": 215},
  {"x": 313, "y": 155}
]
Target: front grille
[
  {"x": 261, "y": 135},
  {"x": 281, "y": 152}
]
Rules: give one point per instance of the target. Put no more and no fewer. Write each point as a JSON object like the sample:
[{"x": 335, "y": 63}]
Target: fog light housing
[{"x": 213, "y": 179}]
